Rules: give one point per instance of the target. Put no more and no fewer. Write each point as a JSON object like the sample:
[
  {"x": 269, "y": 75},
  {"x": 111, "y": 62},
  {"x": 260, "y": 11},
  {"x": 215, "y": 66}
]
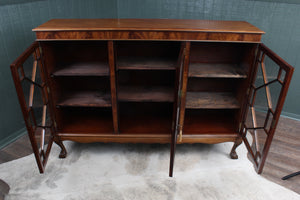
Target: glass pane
[
  {"x": 27, "y": 67},
  {"x": 35, "y": 98},
  {"x": 263, "y": 99},
  {"x": 275, "y": 89},
  {"x": 281, "y": 75},
  {"x": 272, "y": 73},
  {"x": 260, "y": 108},
  {"x": 271, "y": 69},
  {"x": 268, "y": 121}
]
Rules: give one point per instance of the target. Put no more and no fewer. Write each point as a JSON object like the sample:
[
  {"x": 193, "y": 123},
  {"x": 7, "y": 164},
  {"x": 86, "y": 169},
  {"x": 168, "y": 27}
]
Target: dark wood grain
[
  {"x": 176, "y": 109},
  {"x": 147, "y": 29},
  {"x": 113, "y": 85},
  {"x": 83, "y": 69},
  {"x": 211, "y": 100},
  {"x": 147, "y": 35},
  {"x": 118, "y": 138},
  {"x": 148, "y": 25},
  {"x": 146, "y": 63},
  {"x": 85, "y": 99},
  {"x": 205, "y": 70},
  {"x": 183, "y": 88},
  {"x": 146, "y": 94}
]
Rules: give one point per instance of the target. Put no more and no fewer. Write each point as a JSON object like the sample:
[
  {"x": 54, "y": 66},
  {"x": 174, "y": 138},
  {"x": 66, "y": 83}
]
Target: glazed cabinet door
[
  {"x": 33, "y": 93},
  {"x": 270, "y": 80}
]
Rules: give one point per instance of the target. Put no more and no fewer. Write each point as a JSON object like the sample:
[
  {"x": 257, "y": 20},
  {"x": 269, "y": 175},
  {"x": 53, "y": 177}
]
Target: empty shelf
[
  {"x": 207, "y": 70},
  {"x": 211, "y": 100},
  {"x": 86, "y": 99},
  {"x": 146, "y": 63},
  {"x": 83, "y": 69},
  {"x": 145, "y": 94},
  {"x": 210, "y": 122},
  {"x": 86, "y": 120}
]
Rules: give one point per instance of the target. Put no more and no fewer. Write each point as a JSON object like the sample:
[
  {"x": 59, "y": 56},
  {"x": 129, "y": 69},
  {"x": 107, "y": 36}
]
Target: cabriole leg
[
  {"x": 63, "y": 152},
  {"x": 233, "y": 154}
]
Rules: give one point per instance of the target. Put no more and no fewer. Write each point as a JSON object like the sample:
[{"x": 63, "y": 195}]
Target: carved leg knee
[
  {"x": 63, "y": 152},
  {"x": 233, "y": 154}
]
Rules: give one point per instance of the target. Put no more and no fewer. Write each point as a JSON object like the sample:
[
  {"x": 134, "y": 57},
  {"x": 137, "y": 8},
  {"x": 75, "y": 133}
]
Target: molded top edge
[{"x": 148, "y": 25}]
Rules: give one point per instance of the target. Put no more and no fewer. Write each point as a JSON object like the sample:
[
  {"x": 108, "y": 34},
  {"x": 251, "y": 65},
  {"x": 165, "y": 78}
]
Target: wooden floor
[
  {"x": 284, "y": 155},
  {"x": 283, "y": 158}
]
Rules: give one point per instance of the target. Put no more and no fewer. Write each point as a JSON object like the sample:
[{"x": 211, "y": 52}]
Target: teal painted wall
[
  {"x": 16, "y": 22},
  {"x": 280, "y": 21}
]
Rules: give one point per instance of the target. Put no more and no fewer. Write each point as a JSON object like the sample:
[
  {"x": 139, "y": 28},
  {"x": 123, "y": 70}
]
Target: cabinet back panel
[
  {"x": 147, "y": 49},
  {"x": 146, "y": 77},
  {"x": 138, "y": 118},
  {"x": 212, "y": 84},
  {"x": 83, "y": 83},
  {"x": 68, "y": 52},
  {"x": 209, "y": 121},
  {"x": 209, "y": 52},
  {"x": 61, "y": 85},
  {"x": 85, "y": 120}
]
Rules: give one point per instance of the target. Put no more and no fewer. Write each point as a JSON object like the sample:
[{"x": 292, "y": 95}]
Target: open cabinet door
[
  {"x": 32, "y": 90},
  {"x": 179, "y": 103},
  {"x": 270, "y": 81}
]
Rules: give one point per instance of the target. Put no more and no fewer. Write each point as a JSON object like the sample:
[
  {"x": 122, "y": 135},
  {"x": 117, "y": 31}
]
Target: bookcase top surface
[{"x": 148, "y": 25}]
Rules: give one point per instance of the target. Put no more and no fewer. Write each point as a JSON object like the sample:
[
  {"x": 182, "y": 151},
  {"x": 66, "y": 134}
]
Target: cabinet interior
[
  {"x": 216, "y": 86},
  {"x": 145, "y": 86},
  {"x": 147, "y": 55}
]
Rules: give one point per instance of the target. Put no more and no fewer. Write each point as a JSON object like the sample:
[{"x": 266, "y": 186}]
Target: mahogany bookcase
[{"x": 150, "y": 81}]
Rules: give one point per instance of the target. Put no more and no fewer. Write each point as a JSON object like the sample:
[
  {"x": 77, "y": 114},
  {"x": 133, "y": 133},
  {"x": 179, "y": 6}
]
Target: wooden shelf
[
  {"x": 85, "y": 99},
  {"x": 146, "y": 63},
  {"x": 211, "y": 100},
  {"x": 209, "y": 122},
  {"x": 145, "y": 94},
  {"x": 83, "y": 69},
  {"x": 87, "y": 121},
  {"x": 208, "y": 70}
]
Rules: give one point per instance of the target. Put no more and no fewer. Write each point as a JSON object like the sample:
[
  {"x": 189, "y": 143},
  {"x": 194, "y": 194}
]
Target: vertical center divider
[{"x": 113, "y": 86}]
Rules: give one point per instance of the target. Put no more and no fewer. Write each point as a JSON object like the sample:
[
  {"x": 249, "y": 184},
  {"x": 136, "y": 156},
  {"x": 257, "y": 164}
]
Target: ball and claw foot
[
  {"x": 63, "y": 152},
  {"x": 233, "y": 154}
]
